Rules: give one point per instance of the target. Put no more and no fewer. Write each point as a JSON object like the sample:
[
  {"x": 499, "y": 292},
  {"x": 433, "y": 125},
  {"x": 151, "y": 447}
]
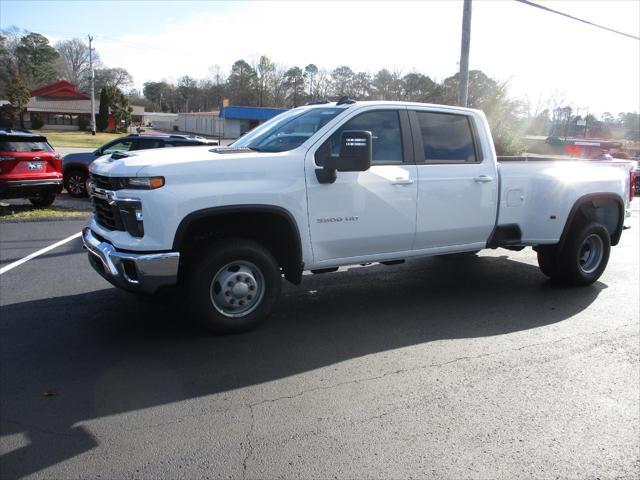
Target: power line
[{"x": 542, "y": 7}]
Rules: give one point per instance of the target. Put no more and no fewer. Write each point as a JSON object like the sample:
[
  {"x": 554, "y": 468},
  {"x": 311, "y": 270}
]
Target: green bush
[
  {"x": 36, "y": 121},
  {"x": 83, "y": 123}
]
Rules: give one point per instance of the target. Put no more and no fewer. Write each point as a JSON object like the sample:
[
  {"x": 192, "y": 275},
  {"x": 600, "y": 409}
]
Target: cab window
[{"x": 386, "y": 134}]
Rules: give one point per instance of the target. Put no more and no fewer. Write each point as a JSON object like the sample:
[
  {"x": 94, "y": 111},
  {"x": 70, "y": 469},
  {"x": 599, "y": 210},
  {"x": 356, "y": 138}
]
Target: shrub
[
  {"x": 83, "y": 123},
  {"x": 36, "y": 121}
]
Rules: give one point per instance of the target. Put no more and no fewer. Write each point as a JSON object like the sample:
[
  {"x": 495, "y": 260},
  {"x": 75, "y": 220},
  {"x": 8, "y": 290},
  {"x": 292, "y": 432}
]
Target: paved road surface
[{"x": 434, "y": 369}]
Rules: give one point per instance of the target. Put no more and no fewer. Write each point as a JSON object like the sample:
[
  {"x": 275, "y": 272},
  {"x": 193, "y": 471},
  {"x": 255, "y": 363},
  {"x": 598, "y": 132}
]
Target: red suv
[{"x": 29, "y": 167}]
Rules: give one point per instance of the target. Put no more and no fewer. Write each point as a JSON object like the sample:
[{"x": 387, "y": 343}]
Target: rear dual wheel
[{"x": 582, "y": 259}]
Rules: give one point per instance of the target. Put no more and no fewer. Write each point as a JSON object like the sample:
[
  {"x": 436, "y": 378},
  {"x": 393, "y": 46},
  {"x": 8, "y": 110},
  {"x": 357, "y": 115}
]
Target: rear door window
[{"x": 446, "y": 138}]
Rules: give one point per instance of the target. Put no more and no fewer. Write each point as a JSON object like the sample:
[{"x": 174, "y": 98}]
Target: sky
[{"x": 544, "y": 57}]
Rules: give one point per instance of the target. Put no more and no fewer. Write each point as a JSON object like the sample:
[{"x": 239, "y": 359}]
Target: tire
[
  {"x": 223, "y": 282},
  {"x": 585, "y": 254},
  {"x": 43, "y": 200},
  {"x": 75, "y": 182},
  {"x": 548, "y": 261}
]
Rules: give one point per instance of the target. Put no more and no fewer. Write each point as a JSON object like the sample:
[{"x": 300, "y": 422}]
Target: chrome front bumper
[{"x": 136, "y": 272}]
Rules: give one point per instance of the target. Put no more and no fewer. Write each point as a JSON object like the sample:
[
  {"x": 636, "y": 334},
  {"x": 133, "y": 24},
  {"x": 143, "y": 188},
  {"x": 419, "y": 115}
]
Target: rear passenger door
[{"x": 457, "y": 185}]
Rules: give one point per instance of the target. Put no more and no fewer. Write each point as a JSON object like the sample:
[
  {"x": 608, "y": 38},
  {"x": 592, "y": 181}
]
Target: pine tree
[{"x": 102, "y": 119}]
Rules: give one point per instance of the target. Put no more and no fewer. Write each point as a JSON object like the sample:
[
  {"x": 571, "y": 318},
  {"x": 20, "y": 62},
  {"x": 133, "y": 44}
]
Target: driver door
[{"x": 364, "y": 213}]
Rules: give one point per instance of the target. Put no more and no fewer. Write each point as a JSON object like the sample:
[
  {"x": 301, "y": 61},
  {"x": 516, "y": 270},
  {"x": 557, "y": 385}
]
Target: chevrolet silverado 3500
[{"x": 322, "y": 186}]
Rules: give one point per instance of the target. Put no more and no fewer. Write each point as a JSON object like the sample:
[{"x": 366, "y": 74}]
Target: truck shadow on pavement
[{"x": 105, "y": 353}]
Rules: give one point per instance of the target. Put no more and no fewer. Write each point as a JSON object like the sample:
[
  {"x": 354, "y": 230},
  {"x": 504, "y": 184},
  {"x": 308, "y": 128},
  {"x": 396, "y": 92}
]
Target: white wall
[{"x": 208, "y": 125}]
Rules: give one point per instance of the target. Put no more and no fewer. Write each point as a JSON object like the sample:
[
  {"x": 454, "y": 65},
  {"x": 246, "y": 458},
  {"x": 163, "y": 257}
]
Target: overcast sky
[{"x": 539, "y": 53}]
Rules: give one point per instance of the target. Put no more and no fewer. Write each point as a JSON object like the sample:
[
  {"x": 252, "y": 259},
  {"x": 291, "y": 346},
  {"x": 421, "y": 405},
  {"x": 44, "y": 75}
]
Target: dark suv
[
  {"x": 75, "y": 166},
  {"x": 29, "y": 167}
]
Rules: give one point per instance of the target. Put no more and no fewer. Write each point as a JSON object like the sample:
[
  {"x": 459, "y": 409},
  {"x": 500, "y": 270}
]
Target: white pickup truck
[{"x": 333, "y": 184}]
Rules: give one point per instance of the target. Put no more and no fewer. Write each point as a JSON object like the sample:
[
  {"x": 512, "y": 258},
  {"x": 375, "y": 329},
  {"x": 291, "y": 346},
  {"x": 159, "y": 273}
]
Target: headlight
[
  {"x": 132, "y": 218},
  {"x": 143, "y": 183}
]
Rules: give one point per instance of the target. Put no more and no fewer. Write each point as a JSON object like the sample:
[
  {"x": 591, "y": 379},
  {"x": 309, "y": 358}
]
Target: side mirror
[
  {"x": 97, "y": 152},
  {"x": 355, "y": 156}
]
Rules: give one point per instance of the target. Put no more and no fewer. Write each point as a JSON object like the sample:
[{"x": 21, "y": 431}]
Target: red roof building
[{"x": 61, "y": 106}]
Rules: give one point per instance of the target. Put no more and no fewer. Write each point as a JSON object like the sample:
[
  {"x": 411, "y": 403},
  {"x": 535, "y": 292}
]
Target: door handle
[
  {"x": 483, "y": 179},
  {"x": 401, "y": 181}
]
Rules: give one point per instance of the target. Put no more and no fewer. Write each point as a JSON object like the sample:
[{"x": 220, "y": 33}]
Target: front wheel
[
  {"x": 43, "y": 200},
  {"x": 234, "y": 287}
]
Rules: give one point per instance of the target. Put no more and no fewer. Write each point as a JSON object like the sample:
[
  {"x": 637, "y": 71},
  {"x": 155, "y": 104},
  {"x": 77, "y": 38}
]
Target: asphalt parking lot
[{"x": 468, "y": 368}]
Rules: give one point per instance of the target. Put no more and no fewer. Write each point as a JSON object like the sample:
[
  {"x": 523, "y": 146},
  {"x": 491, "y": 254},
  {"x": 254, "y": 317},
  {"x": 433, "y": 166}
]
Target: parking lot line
[{"x": 38, "y": 253}]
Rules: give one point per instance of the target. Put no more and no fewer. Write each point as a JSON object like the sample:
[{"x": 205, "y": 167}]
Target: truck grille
[
  {"x": 107, "y": 215},
  {"x": 107, "y": 183}
]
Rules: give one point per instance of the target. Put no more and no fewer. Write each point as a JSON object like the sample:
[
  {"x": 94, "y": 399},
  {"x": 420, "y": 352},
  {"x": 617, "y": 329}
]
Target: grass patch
[
  {"x": 77, "y": 138},
  {"x": 28, "y": 212}
]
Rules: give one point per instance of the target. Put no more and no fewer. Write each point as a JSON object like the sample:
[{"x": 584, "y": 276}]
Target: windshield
[{"x": 288, "y": 131}]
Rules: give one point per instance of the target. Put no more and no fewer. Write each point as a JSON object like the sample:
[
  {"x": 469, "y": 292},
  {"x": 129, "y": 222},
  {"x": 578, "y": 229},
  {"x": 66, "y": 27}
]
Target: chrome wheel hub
[
  {"x": 237, "y": 289},
  {"x": 590, "y": 253}
]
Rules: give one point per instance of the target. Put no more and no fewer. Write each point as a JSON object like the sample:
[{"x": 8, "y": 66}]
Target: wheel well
[
  {"x": 605, "y": 209},
  {"x": 273, "y": 228},
  {"x": 72, "y": 168}
]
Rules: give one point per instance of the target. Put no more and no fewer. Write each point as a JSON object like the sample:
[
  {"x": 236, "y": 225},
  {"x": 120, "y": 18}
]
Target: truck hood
[{"x": 163, "y": 161}]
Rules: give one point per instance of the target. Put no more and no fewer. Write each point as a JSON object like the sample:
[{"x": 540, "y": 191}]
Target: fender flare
[
  {"x": 589, "y": 198},
  {"x": 295, "y": 273}
]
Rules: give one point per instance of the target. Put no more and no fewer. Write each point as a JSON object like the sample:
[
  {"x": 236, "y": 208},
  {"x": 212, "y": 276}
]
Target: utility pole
[
  {"x": 93, "y": 99},
  {"x": 464, "y": 54}
]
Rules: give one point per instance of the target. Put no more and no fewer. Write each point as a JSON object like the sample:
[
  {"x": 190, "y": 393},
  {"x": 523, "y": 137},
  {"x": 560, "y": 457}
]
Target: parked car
[
  {"x": 322, "y": 186},
  {"x": 29, "y": 167},
  {"x": 75, "y": 165},
  {"x": 637, "y": 178}
]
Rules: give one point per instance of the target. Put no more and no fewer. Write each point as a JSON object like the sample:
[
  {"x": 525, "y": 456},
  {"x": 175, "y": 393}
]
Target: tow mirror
[{"x": 355, "y": 156}]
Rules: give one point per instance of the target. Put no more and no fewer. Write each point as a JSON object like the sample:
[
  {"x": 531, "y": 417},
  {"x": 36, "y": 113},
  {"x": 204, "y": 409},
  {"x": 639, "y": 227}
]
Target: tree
[
  {"x": 417, "y": 87},
  {"x": 187, "y": 92},
  {"x": 18, "y": 95},
  {"x": 387, "y": 85},
  {"x": 361, "y": 85},
  {"x": 480, "y": 87},
  {"x": 264, "y": 70},
  {"x": 310, "y": 72},
  {"x": 278, "y": 87},
  {"x": 102, "y": 119},
  {"x": 36, "y": 60},
  {"x": 73, "y": 62},
  {"x": 115, "y": 102},
  {"x": 112, "y": 77},
  {"x": 294, "y": 83},
  {"x": 342, "y": 78},
  {"x": 162, "y": 94},
  {"x": 6, "y": 64},
  {"x": 241, "y": 84}
]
